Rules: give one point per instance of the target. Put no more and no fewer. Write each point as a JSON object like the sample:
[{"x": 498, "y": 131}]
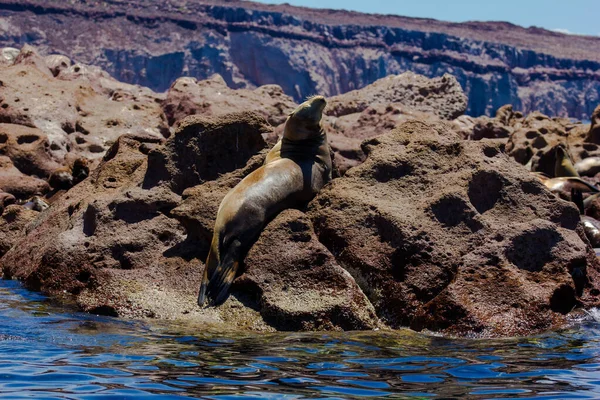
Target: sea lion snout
[{"x": 311, "y": 109}]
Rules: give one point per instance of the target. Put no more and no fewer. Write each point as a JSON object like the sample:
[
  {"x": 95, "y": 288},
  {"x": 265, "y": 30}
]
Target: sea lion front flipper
[
  {"x": 563, "y": 165},
  {"x": 219, "y": 274},
  {"x": 577, "y": 198}
]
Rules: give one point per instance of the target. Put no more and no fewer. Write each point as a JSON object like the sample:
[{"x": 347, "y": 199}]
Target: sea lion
[
  {"x": 563, "y": 165},
  {"x": 61, "y": 179},
  {"x": 562, "y": 186},
  {"x": 295, "y": 169},
  {"x": 588, "y": 166},
  {"x": 591, "y": 227},
  {"x": 66, "y": 177},
  {"x": 36, "y": 204}
]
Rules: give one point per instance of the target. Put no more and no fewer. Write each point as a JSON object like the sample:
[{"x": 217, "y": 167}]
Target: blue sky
[{"x": 575, "y": 16}]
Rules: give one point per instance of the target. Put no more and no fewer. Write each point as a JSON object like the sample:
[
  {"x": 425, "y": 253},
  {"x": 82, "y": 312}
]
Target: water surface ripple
[{"x": 51, "y": 353}]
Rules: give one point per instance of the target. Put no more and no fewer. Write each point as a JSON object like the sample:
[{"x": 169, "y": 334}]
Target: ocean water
[{"x": 49, "y": 352}]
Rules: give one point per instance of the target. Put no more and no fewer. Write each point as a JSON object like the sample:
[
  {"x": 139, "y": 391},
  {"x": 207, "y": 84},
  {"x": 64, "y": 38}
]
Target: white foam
[{"x": 594, "y": 313}]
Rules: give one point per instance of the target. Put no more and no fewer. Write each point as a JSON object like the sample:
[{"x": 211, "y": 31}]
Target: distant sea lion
[
  {"x": 562, "y": 186},
  {"x": 36, "y": 204},
  {"x": 563, "y": 165},
  {"x": 66, "y": 177},
  {"x": 588, "y": 166},
  {"x": 295, "y": 169},
  {"x": 591, "y": 227}
]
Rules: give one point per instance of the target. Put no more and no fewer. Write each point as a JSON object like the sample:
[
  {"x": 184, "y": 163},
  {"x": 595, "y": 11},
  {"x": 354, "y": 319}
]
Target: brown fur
[
  {"x": 295, "y": 169},
  {"x": 65, "y": 178}
]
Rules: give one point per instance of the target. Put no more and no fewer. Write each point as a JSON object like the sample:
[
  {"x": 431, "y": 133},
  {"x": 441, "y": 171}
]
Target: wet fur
[{"x": 295, "y": 169}]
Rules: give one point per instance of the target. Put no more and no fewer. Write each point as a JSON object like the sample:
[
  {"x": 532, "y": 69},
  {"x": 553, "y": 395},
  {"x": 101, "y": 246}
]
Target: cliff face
[{"x": 311, "y": 51}]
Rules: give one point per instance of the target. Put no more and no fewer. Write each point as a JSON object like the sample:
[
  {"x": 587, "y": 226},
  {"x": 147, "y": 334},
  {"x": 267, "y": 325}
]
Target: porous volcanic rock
[
  {"x": 81, "y": 110},
  {"x": 205, "y": 147},
  {"x": 28, "y": 149},
  {"x": 535, "y": 136},
  {"x": 454, "y": 236},
  {"x": 297, "y": 284},
  {"x": 13, "y": 221},
  {"x": 17, "y": 183},
  {"x": 188, "y": 96},
  {"x": 377, "y": 108},
  {"x": 118, "y": 245},
  {"x": 442, "y": 96}
]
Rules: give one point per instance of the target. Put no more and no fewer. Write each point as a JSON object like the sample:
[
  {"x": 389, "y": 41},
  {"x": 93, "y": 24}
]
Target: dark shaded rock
[
  {"x": 202, "y": 148},
  {"x": 453, "y": 236}
]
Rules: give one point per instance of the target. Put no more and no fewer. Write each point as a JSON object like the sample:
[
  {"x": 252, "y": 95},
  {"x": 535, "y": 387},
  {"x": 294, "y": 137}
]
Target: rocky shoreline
[{"x": 433, "y": 221}]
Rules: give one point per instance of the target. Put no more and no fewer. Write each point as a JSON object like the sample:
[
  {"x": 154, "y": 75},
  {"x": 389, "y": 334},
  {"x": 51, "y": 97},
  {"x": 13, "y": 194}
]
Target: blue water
[{"x": 51, "y": 353}]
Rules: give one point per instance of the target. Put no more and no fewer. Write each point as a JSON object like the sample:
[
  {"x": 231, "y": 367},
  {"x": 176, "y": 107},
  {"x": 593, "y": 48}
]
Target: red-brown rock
[
  {"x": 189, "y": 96},
  {"x": 453, "y": 236}
]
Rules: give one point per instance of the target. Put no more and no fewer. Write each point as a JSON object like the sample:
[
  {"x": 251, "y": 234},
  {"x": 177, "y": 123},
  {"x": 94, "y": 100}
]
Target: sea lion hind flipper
[
  {"x": 216, "y": 282},
  {"x": 577, "y": 198}
]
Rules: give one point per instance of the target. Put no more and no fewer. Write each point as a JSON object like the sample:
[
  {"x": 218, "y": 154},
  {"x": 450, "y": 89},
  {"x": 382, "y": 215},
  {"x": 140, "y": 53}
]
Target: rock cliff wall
[{"x": 309, "y": 51}]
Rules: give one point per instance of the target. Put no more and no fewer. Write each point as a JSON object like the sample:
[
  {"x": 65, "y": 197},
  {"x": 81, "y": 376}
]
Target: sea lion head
[{"x": 305, "y": 121}]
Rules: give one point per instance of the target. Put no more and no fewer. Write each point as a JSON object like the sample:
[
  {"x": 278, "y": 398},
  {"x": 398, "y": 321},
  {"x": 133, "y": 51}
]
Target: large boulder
[
  {"x": 205, "y": 147},
  {"x": 379, "y": 107},
  {"x": 120, "y": 245},
  {"x": 188, "y": 96},
  {"x": 296, "y": 283},
  {"x": 454, "y": 236}
]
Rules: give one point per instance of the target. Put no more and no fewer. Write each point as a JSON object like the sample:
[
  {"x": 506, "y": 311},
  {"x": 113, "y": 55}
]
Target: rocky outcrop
[
  {"x": 307, "y": 51},
  {"x": 115, "y": 242},
  {"x": 435, "y": 243},
  {"x": 188, "y": 96}
]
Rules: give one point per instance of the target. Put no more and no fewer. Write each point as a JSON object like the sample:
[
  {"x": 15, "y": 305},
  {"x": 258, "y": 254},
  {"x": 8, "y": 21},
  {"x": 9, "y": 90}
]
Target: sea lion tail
[{"x": 218, "y": 276}]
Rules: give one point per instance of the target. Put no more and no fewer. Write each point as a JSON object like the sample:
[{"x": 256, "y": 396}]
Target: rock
[
  {"x": 57, "y": 63},
  {"x": 306, "y": 51},
  {"x": 205, "y": 147},
  {"x": 455, "y": 237},
  {"x": 593, "y": 135},
  {"x": 8, "y": 55},
  {"x": 488, "y": 128},
  {"x": 77, "y": 112},
  {"x": 441, "y": 96},
  {"x": 29, "y": 56},
  {"x": 188, "y": 96},
  {"x": 13, "y": 222},
  {"x": 6, "y": 199},
  {"x": 112, "y": 245},
  {"x": 16, "y": 183},
  {"x": 28, "y": 150},
  {"x": 535, "y": 137},
  {"x": 378, "y": 108},
  {"x": 296, "y": 284}
]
